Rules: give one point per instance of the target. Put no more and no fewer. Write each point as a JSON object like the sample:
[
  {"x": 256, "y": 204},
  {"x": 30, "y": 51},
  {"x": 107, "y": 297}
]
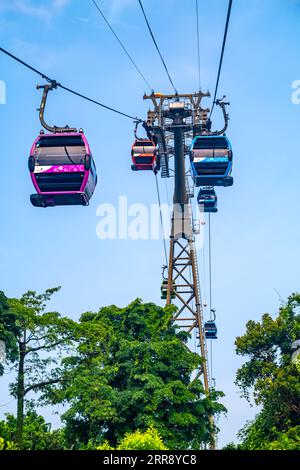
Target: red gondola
[{"x": 144, "y": 155}]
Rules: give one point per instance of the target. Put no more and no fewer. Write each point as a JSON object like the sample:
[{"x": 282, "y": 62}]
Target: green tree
[
  {"x": 258, "y": 435},
  {"x": 133, "y": 374},
  {"x": 37, "y": 434},
  {"x": 6, "y": 445},
  {"x": 9, "y": 330},
  {"x": 289, "y": 440},
  {"x": 270, "y": 375},
  {"x": 148, "y": 440},
  {"x": 41, "y": 338}
]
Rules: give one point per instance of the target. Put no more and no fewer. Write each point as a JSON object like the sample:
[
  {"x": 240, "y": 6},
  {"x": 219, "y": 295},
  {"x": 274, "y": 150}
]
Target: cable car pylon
[{"x": 175, "y": 120}]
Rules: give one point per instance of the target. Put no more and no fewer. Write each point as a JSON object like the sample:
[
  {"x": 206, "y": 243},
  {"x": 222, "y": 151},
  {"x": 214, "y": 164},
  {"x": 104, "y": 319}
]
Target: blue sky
[{"x": 256, "y": 232}]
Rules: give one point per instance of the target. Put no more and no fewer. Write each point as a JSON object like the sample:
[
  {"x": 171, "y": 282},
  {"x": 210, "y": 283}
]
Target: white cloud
[
  {"x": 58, "y": 4},
  {"x": 25, "y": 8},
  {"x": 117, "y": 8},
  {"x": 29, "y": 8},
  {"x": 81, "y": 19},
  {"x": 46, "y": 61}
]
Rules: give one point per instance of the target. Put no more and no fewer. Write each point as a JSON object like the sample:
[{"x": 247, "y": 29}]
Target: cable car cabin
[
  {"x": 207, "y": 199},
  {"x": 210, "y": 330},
  {"x": 211, "y": 161},
  {"x": 164, "y": 290},
  {"x": 62, "y": 170},
  {"x": 143, "y": 155}
]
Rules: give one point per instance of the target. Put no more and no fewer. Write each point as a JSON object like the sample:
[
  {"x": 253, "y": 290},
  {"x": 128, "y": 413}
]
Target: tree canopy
[
  {"x": 37, "y": 434},
  {"x": 135, "y": 372},
  {"x": 148, "y": 440},
  {"x": 273, "y": 378},
  {"x": 9, "y": 330},
  {"x": 118, "y": 371},
  {"x": 36, "y": 340}
]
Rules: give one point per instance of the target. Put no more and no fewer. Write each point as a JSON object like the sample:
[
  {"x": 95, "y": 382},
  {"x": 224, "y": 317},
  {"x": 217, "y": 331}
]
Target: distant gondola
[
  {"x": 164, "y": 290},
  {"x": 211, "y": 161},
  {"x": 143, "y": 155},
  {"x": 207, "y": 199},
  {"x": 210, "y": 330}
]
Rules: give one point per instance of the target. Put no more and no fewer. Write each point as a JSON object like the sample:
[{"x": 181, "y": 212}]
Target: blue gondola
[
  {"x": 208, "y": 200},
  {"x": 211, "y": 160},
  {"x": 210, "y": 330}
]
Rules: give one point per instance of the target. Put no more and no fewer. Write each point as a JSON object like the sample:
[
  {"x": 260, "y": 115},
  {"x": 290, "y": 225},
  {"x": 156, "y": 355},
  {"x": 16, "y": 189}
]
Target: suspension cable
[
  {"x": 204, "y": 275},
  {"x": 167, "y": 192},
  {"x": 161, "y": 220},
  {"x": 156, "y": 46},
  {"x": 69, "y": 90},
  {"x": 210, "y": 289},
  {"x": 193, "y": 307},
  {"x": 222, "y": 55},
  {"x": 209, "y": 264},
  {"x": 98, "y": 103},
  {"x": 198, "y": 44},
  {"x": 122, "y": 45}
]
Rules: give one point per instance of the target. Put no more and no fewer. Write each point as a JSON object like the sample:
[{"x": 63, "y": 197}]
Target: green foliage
[
  {"x": 9, "y": 330},
  {"x": 36, "y": 433},
  {"x": 132, "y": 371},
  {"x": 42, "y": 338},
  {"x": 232, "y": 446},
  {"x": 117, "y": 370},
  {"x": 6, "y": 445},
  {"x": 36, "y": 341},
  {"x": 148, "y": 440},
  {"x": 272, "y": 377},
  {"x": 104, "y": 446},
  {"x": 289, "y": 440},
  {"x": 257, "y": 435},
  {"x": 297, "y": 363}
]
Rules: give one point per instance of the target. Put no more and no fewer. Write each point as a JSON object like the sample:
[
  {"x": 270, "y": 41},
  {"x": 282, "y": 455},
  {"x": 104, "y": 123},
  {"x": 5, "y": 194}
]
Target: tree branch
[
  {"x": 41, "y": 384},
  {"x": 50, "y": 346}
]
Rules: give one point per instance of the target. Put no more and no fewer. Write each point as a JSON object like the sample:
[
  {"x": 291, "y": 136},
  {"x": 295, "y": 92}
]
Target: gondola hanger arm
[
  {"x": 46, "y": 88},
  {"x": 213, "y": 311},
  {"x": 222, "y": 105},
  {"x": 146, "y": 127}
]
